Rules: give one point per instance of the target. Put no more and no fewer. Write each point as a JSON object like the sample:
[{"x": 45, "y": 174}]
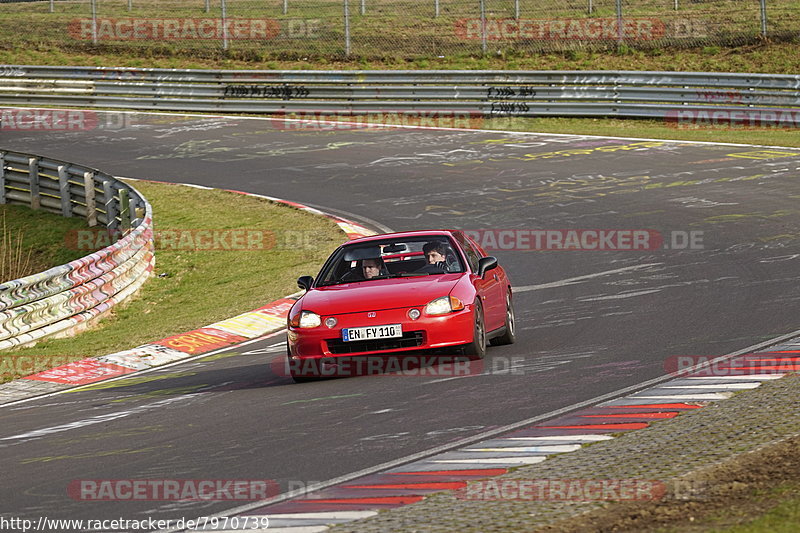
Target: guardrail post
[
  {"x": 112, "y": 208},
  {"x": 2, "y": 177},
  {"x": 63, "y": 186},
  {"x": 135, "y": 208},
  {"x": 88, "y": 191},
  {"x": 94, "y": 21},
  {"x": 33, "y": 177},
  {"x": 124, "y": 210},
  {"x": 764, "y": 18},
  {"x": 346, "y": 28},
  {"x": 484, "y": 46},
  {"x": 224, "y": 26}
]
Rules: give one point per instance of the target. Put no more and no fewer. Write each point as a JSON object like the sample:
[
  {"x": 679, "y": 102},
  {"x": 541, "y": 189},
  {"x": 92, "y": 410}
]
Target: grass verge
[
  {"x": 771, "y": 58},
  {"x": 754, "y": 492},
  {"x": 195, "y": 287},
  {"x": 33, "y": 241}
]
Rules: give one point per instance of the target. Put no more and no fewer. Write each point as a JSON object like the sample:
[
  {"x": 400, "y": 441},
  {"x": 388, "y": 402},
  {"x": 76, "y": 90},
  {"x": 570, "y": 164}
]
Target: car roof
[{"x": 406, "y": 234}]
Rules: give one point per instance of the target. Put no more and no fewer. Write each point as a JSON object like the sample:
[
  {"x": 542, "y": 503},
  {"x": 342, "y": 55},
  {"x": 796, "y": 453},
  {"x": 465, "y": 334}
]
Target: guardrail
[
  {"x": 65, "y": 298},
  {"x": 486, "y": 93}
]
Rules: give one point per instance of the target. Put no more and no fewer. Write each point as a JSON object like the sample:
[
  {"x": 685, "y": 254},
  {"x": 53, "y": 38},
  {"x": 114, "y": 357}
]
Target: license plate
[{"x": 372, "y": 332}]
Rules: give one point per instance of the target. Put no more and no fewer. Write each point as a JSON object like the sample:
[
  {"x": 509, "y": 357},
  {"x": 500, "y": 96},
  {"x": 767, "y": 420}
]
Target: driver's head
[
  {"x": 371, "y": 267},
  {"x": 435, "y": 252}
]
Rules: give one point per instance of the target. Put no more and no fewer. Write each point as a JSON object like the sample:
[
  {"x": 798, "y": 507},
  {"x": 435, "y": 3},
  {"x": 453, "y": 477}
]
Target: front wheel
[
  {"x": 510, "y": 334},
  {"x": 477, "y": 348}
]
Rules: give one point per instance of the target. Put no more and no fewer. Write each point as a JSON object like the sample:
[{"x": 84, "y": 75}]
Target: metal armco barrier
[
  {"x": 66, "y": 297},
  {"x": 484, "y": 93}
]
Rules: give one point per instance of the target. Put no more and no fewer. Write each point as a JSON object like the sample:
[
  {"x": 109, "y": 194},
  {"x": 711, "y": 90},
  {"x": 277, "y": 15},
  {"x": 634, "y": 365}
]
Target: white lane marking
[
  {"x": 619, "y": 296},
  {"x": 688, "y": 397},
  {"x": 532, "y": 449},
  {"x": 576, "y": 438},
  {"x": 295, "y": 529},
  {"x": 722, "y": 386},
  {"x": 758, "y": 377},
  {"x": 455, "y": 377},
  {"x": 578, "y": 279},
  {"x": 494, "y": 460},
  {"x": 780, "y": 258},
  {"x": 333, "y": 515},
  {"x": 93, "y": 420},
  {"x": 142, "y": 372}
]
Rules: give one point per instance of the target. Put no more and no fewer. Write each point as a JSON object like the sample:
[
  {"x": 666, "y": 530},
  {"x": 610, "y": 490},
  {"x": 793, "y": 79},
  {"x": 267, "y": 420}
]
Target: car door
[{"x": 489, "y": 287}]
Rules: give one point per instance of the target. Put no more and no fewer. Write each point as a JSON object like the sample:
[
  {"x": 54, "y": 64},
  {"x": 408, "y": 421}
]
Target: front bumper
[{"x": 425, "y": 333}]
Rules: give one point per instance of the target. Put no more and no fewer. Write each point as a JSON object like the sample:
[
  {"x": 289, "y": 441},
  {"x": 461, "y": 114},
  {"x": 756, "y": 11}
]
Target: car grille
[{"x": 410, "y": 339}]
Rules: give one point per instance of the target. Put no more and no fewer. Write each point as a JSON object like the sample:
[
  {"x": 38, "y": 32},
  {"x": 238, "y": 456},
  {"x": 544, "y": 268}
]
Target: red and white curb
[
  {"x": 250, "y": 325},
  {"x": 410, "y": 483}
]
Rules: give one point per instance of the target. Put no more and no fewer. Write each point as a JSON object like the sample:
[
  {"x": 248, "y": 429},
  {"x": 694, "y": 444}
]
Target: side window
[{"x": 472, "y": 254}]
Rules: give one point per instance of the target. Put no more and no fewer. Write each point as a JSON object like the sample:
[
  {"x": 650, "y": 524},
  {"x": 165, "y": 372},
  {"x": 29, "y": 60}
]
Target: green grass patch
[
  {"x": 33, "y": 241},
  {"x": 195, "y": 287},
  {"x": 781, "y": 518},
  {"x": 772, "y": 58}
]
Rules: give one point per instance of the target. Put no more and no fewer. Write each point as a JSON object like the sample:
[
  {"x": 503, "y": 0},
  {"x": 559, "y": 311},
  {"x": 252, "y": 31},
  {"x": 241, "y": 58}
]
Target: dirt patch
[{"x": 726, "y": 494}]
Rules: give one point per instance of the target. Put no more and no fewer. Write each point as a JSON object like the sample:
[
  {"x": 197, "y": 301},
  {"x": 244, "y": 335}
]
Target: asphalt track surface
[{"x": 627, "y": 314}]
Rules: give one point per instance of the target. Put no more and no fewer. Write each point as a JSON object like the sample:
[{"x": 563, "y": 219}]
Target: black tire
[
  {"x": 510, "y": 335},
  {"x": 477, "y": 348}
]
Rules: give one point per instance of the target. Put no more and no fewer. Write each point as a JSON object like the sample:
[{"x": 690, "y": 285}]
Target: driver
[
  {"x": 372, "y": 268},
  {"x": 435, "y": 257},
  {"x": 366, "y": 269}
]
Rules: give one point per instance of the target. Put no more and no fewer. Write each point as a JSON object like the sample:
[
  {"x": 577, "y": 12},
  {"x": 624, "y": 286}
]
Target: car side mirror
[
  {"x": 486, "y": 264},
  {"x": 305, "y": 282}
]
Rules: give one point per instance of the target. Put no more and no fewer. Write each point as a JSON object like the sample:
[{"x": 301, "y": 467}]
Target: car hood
[{"x": 379, "y": 294}]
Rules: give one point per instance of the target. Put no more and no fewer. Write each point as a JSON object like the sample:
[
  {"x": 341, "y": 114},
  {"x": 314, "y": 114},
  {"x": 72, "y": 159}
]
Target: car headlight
[
  {"x": 443, "y": 305},
  {"x": 305, "y": 319}
]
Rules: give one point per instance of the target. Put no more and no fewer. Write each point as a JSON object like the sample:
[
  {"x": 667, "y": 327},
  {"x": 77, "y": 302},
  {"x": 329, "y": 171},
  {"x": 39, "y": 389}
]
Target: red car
[{"x": 399, "y": 294}]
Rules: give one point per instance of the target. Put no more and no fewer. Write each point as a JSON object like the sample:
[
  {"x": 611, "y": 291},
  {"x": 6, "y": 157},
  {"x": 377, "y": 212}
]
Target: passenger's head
[
  {"x": 371, "y": 267},
  {"x": 435, "y": 252}
]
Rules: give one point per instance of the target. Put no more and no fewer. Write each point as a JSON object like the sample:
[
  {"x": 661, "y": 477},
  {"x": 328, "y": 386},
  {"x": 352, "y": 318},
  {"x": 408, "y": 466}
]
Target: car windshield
[{"x": 391, "y": 258}]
